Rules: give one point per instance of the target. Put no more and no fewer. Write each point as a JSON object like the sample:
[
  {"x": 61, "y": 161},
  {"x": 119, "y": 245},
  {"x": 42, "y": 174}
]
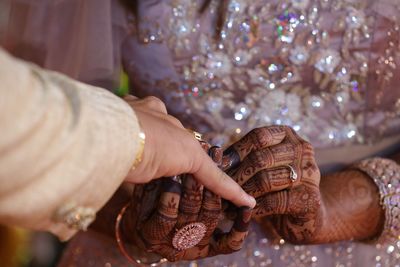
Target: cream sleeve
[{"x": 65, "y": 147}]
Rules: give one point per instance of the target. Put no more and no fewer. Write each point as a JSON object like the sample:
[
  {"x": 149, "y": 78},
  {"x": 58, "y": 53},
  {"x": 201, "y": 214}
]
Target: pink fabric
[{"x": 78, "y": 38}]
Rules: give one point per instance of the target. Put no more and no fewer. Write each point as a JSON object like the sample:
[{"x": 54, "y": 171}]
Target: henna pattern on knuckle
[
  {"x": 304, "y": 216},
  {"x": 268, "y": 180},
  {"x": 259, "y": 138},
  {"x": 273, "y": 203},
  {"x": 256, "y": 161}
]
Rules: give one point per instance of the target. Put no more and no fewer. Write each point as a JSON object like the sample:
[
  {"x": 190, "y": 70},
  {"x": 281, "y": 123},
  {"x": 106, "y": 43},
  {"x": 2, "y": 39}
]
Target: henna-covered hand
[
  {"x": 163, "y": 207},
  {"x": 262, "y": 162}
]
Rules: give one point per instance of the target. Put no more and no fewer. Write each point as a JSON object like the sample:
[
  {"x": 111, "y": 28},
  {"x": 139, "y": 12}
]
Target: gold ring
[{"x": 198, "y": 136}]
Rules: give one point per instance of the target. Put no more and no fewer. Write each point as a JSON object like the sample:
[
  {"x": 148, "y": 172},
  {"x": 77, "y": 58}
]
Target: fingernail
[{"x": 232, "y": 156}]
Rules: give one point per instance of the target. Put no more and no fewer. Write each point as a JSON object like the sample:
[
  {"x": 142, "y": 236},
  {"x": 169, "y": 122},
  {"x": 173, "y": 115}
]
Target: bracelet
[
  {"x": 386, "y": 175},
  {"x": 139, "y": 154},
  {"x": 121, "y": 245}
]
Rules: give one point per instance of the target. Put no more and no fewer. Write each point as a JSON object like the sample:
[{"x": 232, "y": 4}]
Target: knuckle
[
  {"x": 305, "y": 200},
  {"x": 285, "y": 128},
  {"x": 308, "y": 149},
  {"x": 174, "y": 121},
  {"x": 155, "y": 103},
  {"x": 261, "y": 137},
  {"x": 263, "y": 158}
]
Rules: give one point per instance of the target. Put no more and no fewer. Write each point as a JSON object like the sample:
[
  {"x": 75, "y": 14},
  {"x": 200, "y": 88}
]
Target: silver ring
[{"x": 293, "y": 174}]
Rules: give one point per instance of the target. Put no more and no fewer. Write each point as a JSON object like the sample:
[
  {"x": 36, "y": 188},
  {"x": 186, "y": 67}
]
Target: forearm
[
  {"x": 350, "y": 207},
  {"x": 76, "y": 144}
]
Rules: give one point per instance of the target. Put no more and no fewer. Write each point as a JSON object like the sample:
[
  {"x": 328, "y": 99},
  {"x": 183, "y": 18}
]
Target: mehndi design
[
  {"x": 262, "y": 162},
  {"x": 168, "y": 216}
]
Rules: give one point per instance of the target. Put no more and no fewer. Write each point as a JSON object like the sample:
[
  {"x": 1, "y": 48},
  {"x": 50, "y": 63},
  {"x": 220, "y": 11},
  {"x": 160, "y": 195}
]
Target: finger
[
  {"x": 216, "y": 153},
  {"x": 221, "y": 184},
  {"x": 267, "y": 181},
  {"x": 304, "y": 163},
  {"x": 205, "y": 146},
  {"x": 270, "y": 157},
  {"x": 174, "y": 121},
  {"x": 191, "y": 200},
  {"x": 190, "y": 203},
  {"x": 151, "y": 103},
  {"x": 233, "y": 241},
  {"x": 209, "y": 215},
  {"x": 130, "y": 98},
  {"x": 299, "y": 200},
  {"x": 256, "y": 139},
  {"x": 309, "y": 170},
  {"x": 156, "y": 230},
  {"x": 211, "y": 209},
  {"x": 145, "y": 202},
  {"x": 293, "y": 153},
  {"x": 273, "y": 203},
  {"x": 148, "y": 199}
]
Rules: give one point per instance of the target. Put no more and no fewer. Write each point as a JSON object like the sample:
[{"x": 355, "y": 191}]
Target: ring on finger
[
  {"x": 198, "y": 136},
  {"x": 293, "y": 174},
  {"x": 189, "y": 236}
]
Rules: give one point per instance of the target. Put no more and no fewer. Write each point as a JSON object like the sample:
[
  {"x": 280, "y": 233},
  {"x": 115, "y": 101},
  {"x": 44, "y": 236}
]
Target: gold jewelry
[
  {"x": 75, "y": 217},
  {"x": 121, "y": 245},
  {"x": 198, "y": 136},
  {"x": 139, "y": 154}
]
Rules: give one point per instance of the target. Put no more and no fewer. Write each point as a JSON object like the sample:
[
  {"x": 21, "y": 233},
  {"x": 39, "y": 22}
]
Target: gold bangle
[
  {"x": 121, "y": 246},
  {"x": 139, "y": 154}
]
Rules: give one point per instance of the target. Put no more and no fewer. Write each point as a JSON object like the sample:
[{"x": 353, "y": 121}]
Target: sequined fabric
[
  {"x": 326, "y": 68},
  {"x": 323, "y": 67}
]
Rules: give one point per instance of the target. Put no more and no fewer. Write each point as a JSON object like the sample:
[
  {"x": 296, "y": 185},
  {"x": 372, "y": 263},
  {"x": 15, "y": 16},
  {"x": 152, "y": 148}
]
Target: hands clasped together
[{"x": 179, "y": 217}]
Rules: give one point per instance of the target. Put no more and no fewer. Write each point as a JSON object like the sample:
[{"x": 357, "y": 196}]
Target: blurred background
[{"x": 22, "y": 248}]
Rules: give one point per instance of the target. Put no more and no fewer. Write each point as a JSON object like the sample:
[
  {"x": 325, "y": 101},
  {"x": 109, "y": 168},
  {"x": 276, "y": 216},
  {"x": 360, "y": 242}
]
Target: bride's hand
[
  {"x": 171, "y": 150},
  {"x": 278, "y": 168},
  {"x": 183, "y": 211}
]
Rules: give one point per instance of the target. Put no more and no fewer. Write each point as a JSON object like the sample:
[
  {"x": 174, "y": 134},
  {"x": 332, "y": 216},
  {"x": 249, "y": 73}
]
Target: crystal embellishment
[
  {"x": 355, "y": 19},
  {"x": 299, "y": 55},
  {"x": 327, "y": 60}
]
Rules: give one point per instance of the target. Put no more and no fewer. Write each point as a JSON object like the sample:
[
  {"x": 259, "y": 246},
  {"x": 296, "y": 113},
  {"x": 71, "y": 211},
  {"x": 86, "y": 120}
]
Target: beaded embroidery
[{"x": 280, "y": 62}]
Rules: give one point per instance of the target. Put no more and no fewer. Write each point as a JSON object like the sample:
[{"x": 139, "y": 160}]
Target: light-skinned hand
[{"x": 172, "y": 150}]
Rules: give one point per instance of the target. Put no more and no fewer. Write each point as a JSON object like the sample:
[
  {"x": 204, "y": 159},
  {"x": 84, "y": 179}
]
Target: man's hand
[{"x": 171, "y": 150}]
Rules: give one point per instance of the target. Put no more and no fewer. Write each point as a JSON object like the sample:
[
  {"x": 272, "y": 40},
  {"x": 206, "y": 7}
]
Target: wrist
[
  {"x": 385, "y": 174},
  {"x": 141, "y": 137}
]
